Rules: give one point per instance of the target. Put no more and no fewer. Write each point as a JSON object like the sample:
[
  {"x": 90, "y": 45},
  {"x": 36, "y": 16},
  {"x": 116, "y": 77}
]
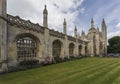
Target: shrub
[
  {"x": 66, "y": 59},
  {"x": 29, "y": 62},
  {"x": 58, "y": 59},
  {"x": 72, "y": 57}
]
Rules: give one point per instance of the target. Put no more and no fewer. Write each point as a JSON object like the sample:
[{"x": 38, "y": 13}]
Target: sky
[{"x": 76, "y": 12}]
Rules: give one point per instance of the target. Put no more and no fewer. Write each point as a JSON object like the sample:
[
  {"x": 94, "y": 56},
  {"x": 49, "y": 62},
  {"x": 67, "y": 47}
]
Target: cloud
[
  {"x": 57, "y": 11},
  {"x": 76, "y": 12},
  {"x": 118, "y": 25},
  {"x": 112, "y": 34}
]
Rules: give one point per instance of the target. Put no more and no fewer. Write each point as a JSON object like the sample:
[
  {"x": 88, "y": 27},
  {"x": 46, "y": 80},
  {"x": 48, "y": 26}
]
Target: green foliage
[
  {"x": 28, "y": 62},
  {"x": 114, "y": 45},
  {"x": 58, "y": 59}
]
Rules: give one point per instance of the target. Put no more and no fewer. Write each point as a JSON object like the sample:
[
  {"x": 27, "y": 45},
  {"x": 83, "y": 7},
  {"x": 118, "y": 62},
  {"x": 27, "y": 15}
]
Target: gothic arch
[
  {"x": 71, "y": 49},
  {"x": 27, "y": 46},
  {"x": 86, "y": 50},
  {"x": 56, "y": 48},
  {"x": 80, "y": 50},
  {"x": 27, "y": 35}
]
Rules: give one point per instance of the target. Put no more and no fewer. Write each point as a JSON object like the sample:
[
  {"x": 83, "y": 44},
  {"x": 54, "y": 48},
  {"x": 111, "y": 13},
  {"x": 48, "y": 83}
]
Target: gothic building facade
[{"x": 21, "y": 39}]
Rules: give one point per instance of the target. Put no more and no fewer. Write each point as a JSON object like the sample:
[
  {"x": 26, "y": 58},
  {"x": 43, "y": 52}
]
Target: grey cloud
[{"x": 21, "y": 8}]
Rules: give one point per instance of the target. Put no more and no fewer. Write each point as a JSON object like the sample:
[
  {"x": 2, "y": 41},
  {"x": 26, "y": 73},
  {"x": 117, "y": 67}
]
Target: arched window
[
  {"x": 26, "y": 48},
  {"x": 101, "y": 47},
  {"x": 56, "y": 48},
  {"x": 80, "y": 50},
  {"x": 86, "y": 50},
  {"x": 71, "y": 49}
]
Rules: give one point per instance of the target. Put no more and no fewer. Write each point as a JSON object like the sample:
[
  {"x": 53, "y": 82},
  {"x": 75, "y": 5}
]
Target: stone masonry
[{"x": 21, "y": 39}]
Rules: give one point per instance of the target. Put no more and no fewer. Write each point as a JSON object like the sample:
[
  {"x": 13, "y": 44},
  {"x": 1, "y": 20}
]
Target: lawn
[{"x": 82, "y": 71}]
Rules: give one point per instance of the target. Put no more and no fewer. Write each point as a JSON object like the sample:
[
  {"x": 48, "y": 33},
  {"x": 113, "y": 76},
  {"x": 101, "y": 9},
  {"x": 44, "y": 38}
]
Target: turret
[
  {"x": 98, "y": 29},
  {"x": 75, "y": 32},
  {"x": 83, "y": 33},
  {"x": 45, "y": 17},
  {"x": 104, "y": 34},
  {"x": 3, "y": 34},
  {"x": 64, "y": 27},
  {"x": 92, "y": 23}
]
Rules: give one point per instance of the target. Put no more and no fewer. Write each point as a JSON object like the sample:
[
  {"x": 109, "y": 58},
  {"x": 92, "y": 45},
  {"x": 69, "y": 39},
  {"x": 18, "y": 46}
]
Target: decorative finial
[
  {"x": 97, "y": 28},
  {"x": 103, "y": 20},
  {"x": 45, "y": 6},
  {"x": 64, "y": 21},
  {"x": 92, "y": 21},
  {"x": 75, "y": 28},
  {"x": 45, "y": 10}
]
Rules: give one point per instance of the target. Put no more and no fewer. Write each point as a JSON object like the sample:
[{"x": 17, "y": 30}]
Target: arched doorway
[
  {"x": 56, "y": 50},
  {"x": 26, "y": 47},
  {"x": 71, "y": 49},
  {"x": 80, "y": 50},
  {"x": 86, "y": 50}
]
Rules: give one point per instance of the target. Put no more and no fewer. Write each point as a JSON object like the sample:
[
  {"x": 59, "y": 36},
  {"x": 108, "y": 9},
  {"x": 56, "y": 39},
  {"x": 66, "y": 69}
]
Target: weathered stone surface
[{"x": 49, "y": 43}]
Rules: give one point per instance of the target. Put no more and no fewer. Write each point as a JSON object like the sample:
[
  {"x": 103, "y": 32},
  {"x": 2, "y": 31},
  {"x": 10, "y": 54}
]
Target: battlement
[{"x": 27, "y": 24}]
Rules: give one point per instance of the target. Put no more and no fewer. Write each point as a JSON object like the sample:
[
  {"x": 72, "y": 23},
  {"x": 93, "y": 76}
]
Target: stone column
[
  {"x": 92, "y": 45},
  {"x": 98, "y": 47},
  {"x": 76, "y": 48},
  {"x": 66, "y": 47},
  {"x": 46, "y": 43},
  {"x": 83, "y": 49},
  {"x": 3, "y": 34}
]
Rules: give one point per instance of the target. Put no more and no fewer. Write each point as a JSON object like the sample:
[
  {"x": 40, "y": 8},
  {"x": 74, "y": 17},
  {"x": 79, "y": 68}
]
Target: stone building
[{"x": 21, "y": 39}]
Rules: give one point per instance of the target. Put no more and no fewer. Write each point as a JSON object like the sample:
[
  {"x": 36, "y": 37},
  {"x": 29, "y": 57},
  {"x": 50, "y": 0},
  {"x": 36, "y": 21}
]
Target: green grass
[{"x": 83, "y": 71}]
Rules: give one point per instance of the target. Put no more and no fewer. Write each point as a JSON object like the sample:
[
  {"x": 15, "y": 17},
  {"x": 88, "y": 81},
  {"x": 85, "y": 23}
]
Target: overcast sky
[{"x": 76, "y": 12}]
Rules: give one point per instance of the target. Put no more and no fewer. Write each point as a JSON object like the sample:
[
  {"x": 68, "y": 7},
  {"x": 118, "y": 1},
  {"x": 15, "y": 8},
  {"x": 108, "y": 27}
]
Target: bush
[
  {"x": 66, "y": 59},
  {"x": 58, "y": 59},
  {"x": 79, "y": 57},
  {"x": 29, "y": 62},
  {"x": 72, "y": 57}
]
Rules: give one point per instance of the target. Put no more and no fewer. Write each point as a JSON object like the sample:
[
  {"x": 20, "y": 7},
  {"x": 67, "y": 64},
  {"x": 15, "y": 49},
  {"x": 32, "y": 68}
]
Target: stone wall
[{"x": 18, "y": 27}]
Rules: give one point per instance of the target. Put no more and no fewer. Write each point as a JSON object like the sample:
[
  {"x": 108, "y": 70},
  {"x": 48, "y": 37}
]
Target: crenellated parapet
[
  {"x": 56, "y": 34},
  {"x": 71, "y": 38},
  {"x": 26, "y": 24},
  {"x": 80, "y": 41}
]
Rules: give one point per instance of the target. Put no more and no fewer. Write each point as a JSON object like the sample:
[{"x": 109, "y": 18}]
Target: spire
[
  {"x": 75, "y": 31},
  {"x": 64, "y": 26},
  {"x": 97, "y": 28},
  {"x": 104, "y": 35},
  {"x": 75, "y": 28},
  {"x": 92, "y": 20},
  {"x": 83, "y": 33},
  {"x": 45, "y": 17},
  {"x": 103, "y": 26},
  {"x": 64, "y": 23},
  {"x": 92, "y": 23},
  {"x": 103, "y": 22},
  {"x": 45, "y": 10}
]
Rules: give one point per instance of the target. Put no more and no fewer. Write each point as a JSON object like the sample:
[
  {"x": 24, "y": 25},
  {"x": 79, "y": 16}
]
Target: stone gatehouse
[{"x": 21, "y": 39}]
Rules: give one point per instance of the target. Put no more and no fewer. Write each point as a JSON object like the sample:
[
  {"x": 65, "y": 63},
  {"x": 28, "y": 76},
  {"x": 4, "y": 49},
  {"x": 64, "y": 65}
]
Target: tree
[{"x": 114, "y": 45}]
